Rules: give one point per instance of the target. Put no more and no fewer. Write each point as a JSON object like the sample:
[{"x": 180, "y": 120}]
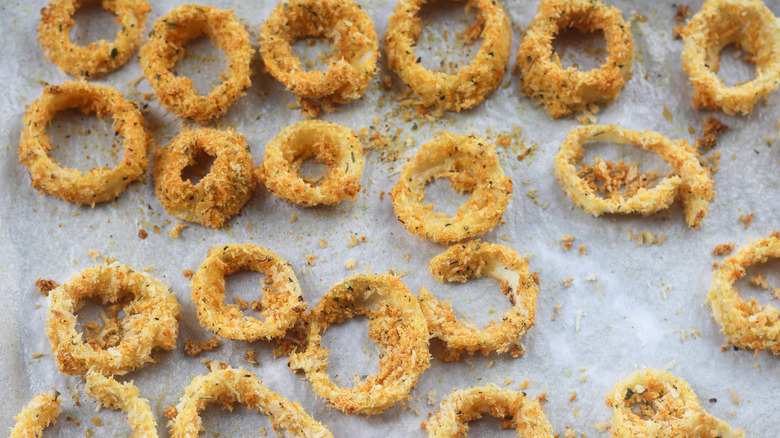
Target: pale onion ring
[
  {"x": 745, "y": 324},
  {"x": 751, "y": 25},
  {"x": 125, "y": 396},
  {"x": 166, "y": 45},
  {"x": 151, "y": 321},
  {"x": 674, "y": 409},
  {"x": 343, "y": 22},
  {"x": 472, "y": 82},
  {"x": 513, "y": 408},
  {"x": 692, "y": 183},
  {"x": 471, "y": 164},
  {"x": 219, "y": 194},
  {"x": 473, "y": 260},
  {"x": 563, "y": 91},
  {"x": 331, "y": 144},
  {"x": 42, "y": 411},
  {"x": 395, "y": 322},
  {"x": 97, "y": 185},
  {"x": 228, "y": 386},
  {"x": 97, "y": 58},
  {"x": 282, "y": 301}
]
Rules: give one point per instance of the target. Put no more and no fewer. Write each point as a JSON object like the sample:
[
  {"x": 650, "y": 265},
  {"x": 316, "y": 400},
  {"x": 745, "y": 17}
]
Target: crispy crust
[
  {"x": 513, "y": 408},
  {"x": 166, "y": 45},
  {"x": 722, "y": 22},
  {"x": 221, "y": 193},
  {"x": 125, "y": 396},
  {"x": 745, "y": 323},
  {"x": 282, "y": 301},
  {"x": 473, "y": 82},
  {"x": 395, "y": 323},
  {"x": 97, "y": 185},
  {"x": 328, "y": 143},
  {"x": 42, "y": 411},
  {"x": 342, "y": 22},
  {"x": 100, "y": 57},
  {"x": 228, "y": 386},
  {"x": 151, "y": 321},
  {"x": 473, "y": 260},
  {"x": 692, "y": 184},
  {"x": 671, "y": 409},
  {"x": 565, "y": 91},
  {"x": 471, "y": 164}
]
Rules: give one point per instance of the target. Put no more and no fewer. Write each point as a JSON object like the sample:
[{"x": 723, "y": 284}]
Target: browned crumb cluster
[
  {"x": 746, "y": 219},
  {"x": 723, "y": 249},
  {"x": 613, "y": 180},
  {"x": 709, "y": 136},
  {"x": 44, "y": 286},
  {"x": 195, "y": 348},
  {"x": 683, "y": 12}
]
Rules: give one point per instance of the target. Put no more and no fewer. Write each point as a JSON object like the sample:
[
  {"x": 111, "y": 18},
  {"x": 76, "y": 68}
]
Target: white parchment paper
[{"x": 627, "y": 307}]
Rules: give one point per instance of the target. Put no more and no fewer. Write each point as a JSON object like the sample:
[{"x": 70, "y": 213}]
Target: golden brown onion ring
[
  {"x": 328, "y": 143},
  {"x": 692, "y": 184},
  {"x": 344, "y": 23},
  {"x": 221, "y": 193},
  {"x": 97, "y": 185},
  {"x": 166, "y": 44},
  {"x": 125, "y": 396},
  {"x": 746, "y": 23},
  {"x": 395, "y": 322},
  {"x": 282, "y": 301},
  {"x": 151, "y": 320},
  {"x": 565, "y": 91},
  {"x": 42, "y": 411},
  {"x": 97, "y": 58},
  {"x": 472, "y": 82},
  {"x": 471, "y": 164}
]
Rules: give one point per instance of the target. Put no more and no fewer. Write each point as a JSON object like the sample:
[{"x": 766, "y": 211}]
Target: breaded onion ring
[
  {"x": 282, "y": 301},
  {"x": 42, "y": 411},
  {"x": 345, "y": 24},
  {"x": 125, "y": 396},
  {"x": 471, "y": 164},
  {"x": 328, "y": 143},
  {"x": 97, "y": 58},
  {"x": 228, "y": 386},
  {"x": 692, "y": 183},
  {"x": 473, "y": 260},
  {"x": 473, "y": 82},
  {"x": 221, "y": 193},
  {"x": 565, "y": 91},
  {"x": 745, "y": 324},
  {"x": 166, "y": 45},
  {"x": 668, "y": 408},
  {"x": 97, "y": 185},
  {"x": 395, "y": 322},
  {"x": 513, "y": 408},
  {"x": 151, "y": 320},
  {"x": 750, "y": 25}
]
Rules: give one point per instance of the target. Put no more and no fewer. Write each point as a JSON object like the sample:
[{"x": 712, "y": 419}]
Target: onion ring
[
  {"x": 473, "y": 82},
  {"x": 473, "y": 260},
  {"x": 513, "y": 408},
  {"x": 97, "y": 58},
  {"x": 42, "y": 411},
  {"x": 671, "y": 409},
  {"x": 151, "y": 321},
  {"x": 745, "y": 323},
  {"x": 343, "y": 22},
  {"x": 565, "y": 91},
  {"x": 395, "y": 322},
  {"x": 228, "y": 386},
  {"x": 125, "y": 396},
  {"x": 221, "y": 193},
  {"x": 328, "y": 143},
  {"x": 166, "y": 45},
  {"x": 97, "y": 185},
  {"x": 282, "y": 302},
  {"x": 751, "y": 25},
  {"x": 471, "y": 164},
  {"x": 692, "y": 183}
]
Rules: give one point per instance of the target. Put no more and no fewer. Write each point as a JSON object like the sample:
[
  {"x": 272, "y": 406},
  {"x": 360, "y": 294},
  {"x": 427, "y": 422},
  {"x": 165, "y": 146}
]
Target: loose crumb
[
  {"x": 188, "y": 274},
  {"x": 746, "y": 219},
  {"x": 709, "y": 135},
  {"x": 323, "y": 243},
  {"x": 759, "y": 280},
  {"x": 142, "y": 234},
  {"x": 250, "y": 357},
  {"x": 98, "y": 422},
  {"x": 573, "y": 396},
  {"x": 525, "y": 385},
  {"x": 45, "y": 286},
  {"x": 567, "y": 241},
  {"x": 350, "y": 264},
  {"x": 431, "y": 396},
  {"x": 93, "y": 254},
  {"x": 582, "y": 250},
  {"x": 177, "y": 229},
  {"x": 734, "y": 396},
  {"x": 293, "y": 218},
  {"x": 195, "y": 348}
]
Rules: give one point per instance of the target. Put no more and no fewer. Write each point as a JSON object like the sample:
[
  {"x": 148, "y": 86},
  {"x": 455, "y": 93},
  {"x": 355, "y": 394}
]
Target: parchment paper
[{"x": 627, "y": 307}]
